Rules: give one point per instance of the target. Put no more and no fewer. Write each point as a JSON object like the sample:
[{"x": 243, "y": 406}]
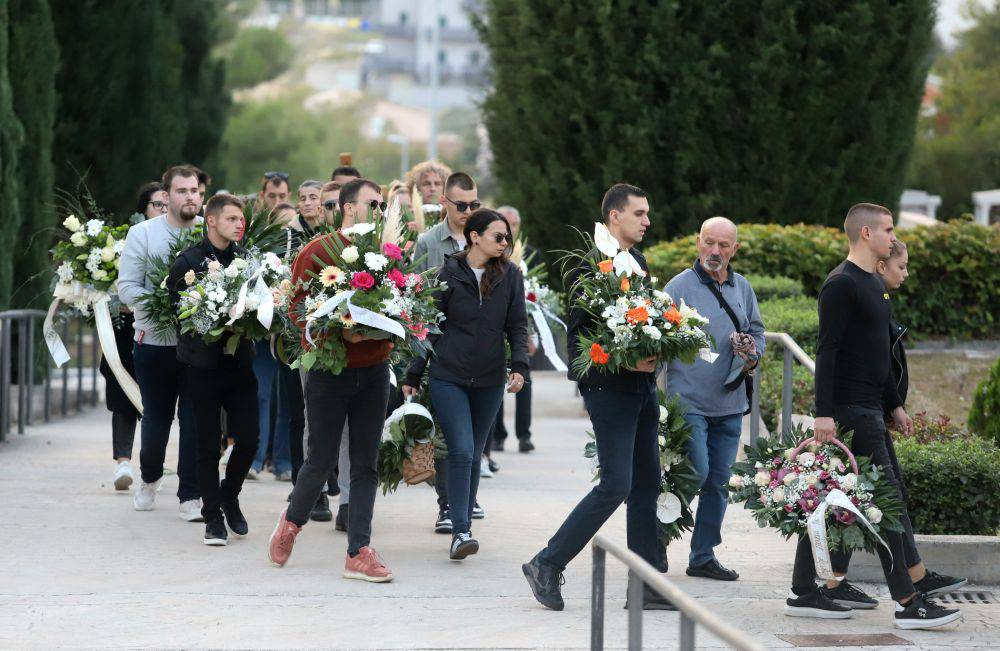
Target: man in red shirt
[{"x": 358, "y": 396}]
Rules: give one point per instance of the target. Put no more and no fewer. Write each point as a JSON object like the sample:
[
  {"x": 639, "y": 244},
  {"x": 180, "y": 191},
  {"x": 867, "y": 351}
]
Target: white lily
[{"x": 624, "y": 263}]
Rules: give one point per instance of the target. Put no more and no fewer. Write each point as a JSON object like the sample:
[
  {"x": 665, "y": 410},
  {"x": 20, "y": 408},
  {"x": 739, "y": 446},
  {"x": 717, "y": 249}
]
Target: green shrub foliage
[{"x": 984, "y": 415}]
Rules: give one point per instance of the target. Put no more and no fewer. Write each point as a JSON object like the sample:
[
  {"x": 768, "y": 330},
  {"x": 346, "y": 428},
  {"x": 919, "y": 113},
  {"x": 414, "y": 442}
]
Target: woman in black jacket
[{"x": 483, "y": 306}]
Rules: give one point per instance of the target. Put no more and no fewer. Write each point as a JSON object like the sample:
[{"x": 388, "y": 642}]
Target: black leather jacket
[
  {"x": 191, "y": 348},
  {"x": 898, "y": 372}
]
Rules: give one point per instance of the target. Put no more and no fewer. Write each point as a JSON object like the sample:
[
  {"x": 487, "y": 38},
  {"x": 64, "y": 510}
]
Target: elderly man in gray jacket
[{"x": 714, "y": 393}]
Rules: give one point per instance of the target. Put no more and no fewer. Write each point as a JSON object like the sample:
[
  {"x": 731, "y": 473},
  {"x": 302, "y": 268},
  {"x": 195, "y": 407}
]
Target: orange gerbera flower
[
  {"x": 637, "y": 315},
  {"x": 606, "y": 265},
  {"x": 626, "y": 285},
  {"x": 597, "y": 354},
  {"x": 673, "y": 315}
]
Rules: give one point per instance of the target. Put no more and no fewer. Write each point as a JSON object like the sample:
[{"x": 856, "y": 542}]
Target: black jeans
[
  {"x": 123, "y": 433},
  {"x": 869, "y": 440},
  {"x": 291, "y": 405},
  {"x": 160, "y": 377},
  {"x": 625, "y": 430},
  {"x": 357, "y": 396},
  {"x": 522, "y": 416},
  {"x": 234, "y": 389}
]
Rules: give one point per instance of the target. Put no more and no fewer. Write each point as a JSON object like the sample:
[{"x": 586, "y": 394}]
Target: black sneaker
[
  {"x": 215, "y": 532},
  {"x": 713, "y": 569},
  {"x": 934, "y": 583},
  {"x": 341, "y": 523},
  {"x": 462, "y": 545},
  {"x": 478, "y": 512},
  {"x": 546, "y": 583},
  {"x": 848, "y": 595},
  {"x": 321, "y": 511},
  {"x": 525, "y": 445},
  {"x": 234, "y": 518},
  {"x": 443, "y": 524},
  {"x": 497, "y": 445},
  {"x": 922, "y": 612},
  {"x": 493, "y": 465},
  {"x": 652, "y": 600},
  {"x": 815, "y": 604}
]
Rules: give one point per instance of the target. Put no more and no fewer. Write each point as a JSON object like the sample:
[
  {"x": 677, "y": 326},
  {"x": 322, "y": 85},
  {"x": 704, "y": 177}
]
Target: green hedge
[
  {"x": 770, "y": 391},
  {"x": 953, "y": 272},
  {"x": 984, "y": 415},
  {"x": 797, "y": 316},
  {"x": 954, "y": 486},
  {"x": 769, "y": 287}
]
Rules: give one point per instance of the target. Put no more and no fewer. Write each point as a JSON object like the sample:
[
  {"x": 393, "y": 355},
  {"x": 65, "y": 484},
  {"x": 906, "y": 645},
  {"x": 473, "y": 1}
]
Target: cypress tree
[
  {"x": 11, "y": 141},
  {"x": 33, "y": 53},
  {"x": 783, "y": 110}
]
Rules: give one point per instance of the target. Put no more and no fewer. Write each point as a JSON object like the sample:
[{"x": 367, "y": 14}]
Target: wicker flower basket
[{"x": 419, "y": 467}]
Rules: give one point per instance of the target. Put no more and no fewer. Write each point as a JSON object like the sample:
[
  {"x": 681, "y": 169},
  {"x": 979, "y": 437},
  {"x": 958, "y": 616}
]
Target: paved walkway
[{"x": 82, "y": 569}]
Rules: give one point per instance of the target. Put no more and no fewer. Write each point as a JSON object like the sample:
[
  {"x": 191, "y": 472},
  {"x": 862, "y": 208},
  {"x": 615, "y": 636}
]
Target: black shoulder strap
[{"x": 725, "y": 305}]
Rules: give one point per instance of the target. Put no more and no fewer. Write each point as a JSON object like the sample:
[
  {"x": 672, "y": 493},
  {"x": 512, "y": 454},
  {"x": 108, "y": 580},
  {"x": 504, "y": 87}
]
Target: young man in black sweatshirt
[
  {"x": 215, "y": 381},
  {"x": 853, "y": 383}
]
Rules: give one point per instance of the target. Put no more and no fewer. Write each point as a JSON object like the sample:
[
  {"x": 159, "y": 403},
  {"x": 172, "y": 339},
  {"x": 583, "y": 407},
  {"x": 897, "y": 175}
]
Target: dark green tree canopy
[{"x": 782, "y": 110}]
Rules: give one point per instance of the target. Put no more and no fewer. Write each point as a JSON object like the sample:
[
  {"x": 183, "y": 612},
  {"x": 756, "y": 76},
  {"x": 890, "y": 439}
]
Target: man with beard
[{"x": 156, "y": 367}]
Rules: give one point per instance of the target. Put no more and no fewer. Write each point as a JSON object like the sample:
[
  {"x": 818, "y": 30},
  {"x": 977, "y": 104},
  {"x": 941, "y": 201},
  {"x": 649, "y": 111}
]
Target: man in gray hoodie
[{"x": 156, "y": 367}]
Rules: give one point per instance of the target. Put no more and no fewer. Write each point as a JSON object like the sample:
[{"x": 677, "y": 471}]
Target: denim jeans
[
  {"x": 625, "y": 432},
  {"x": 715, "y": 440},
  {"x": 268, "y": 369},
  {"x": 160, "y": 379},
  {"x": 869, "y": 440},
  {"x": 466, "y": 415},
  {"x": 357, "y": 396}
]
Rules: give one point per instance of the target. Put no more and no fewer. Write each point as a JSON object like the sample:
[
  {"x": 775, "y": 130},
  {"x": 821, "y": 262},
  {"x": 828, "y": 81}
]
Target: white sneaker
[
  {"x": 123, "y": 476},
  {"x": 252, "y": 474},
  {"x": 144, "y": 497},
  {"x": 225, "y": 456},
  {"x": 484, "y": 468},
  {"x": 190, "y": 511}
]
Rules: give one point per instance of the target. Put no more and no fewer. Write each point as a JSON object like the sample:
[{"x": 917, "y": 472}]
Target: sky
[{"x": 950, "y": 19}]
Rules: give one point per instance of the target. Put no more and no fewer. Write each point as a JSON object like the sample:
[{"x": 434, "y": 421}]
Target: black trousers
[
  {"x": 234, "y": 389},
  {"x": 869, "y": 440},
  {"x": 123, "y": 433},
  {"x": 522, "y": 416},
  {"x": 357, "y": 396}
]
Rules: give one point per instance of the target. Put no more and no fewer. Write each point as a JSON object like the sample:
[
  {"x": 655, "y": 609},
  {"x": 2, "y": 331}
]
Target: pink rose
[
  {"x": 774, "y": 483},
  {"x": 397, "y": 278},
  {"x": 419, "y": 331},
  {"x": 362, "y": 280},
  {"x": 392, "y": 251},
  {"x": 774, "y": 474},
  {"x": 789, "y": 508}
]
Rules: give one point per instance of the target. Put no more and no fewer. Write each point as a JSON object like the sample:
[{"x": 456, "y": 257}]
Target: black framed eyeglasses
[
  {"x": 158, "y": 205},
  {"x": 330, "y": 205},
  {"x": 463, "y": 206},
  {"x": 270, "y": 176}
]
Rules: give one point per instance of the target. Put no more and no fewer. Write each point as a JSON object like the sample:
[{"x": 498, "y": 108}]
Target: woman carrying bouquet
[{"x": 483, "y": 306}]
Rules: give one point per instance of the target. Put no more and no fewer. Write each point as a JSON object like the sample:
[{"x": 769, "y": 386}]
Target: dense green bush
[
  {"x": 796, "y": 316},
  {"x": 768, "y": 287},
  {"x": 951, "y": 290},
  {"x": 259, "y": 54},
  {"x": 984, "y": 415},
  {"x": 801, "y": 252},
  {"x": 954, "y": 486},
  {"x": 770, "y": 391}
]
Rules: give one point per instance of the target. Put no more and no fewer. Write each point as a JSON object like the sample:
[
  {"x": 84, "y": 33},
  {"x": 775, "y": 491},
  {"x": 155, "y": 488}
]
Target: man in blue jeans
[{"x": 715, "y": 402}]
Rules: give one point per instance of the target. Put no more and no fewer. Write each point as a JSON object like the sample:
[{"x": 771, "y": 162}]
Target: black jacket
[
  {"x": 580, "y": 321},
  {"x": 191, "y": 348},
  {"x": 470, "y": 349},
  {"x": 899, "y": 374}
]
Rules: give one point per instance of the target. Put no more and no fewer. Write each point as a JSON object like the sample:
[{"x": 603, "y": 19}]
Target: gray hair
[
  {"x": 511, "y": 209},
  {"x": 311, "y": 183}
]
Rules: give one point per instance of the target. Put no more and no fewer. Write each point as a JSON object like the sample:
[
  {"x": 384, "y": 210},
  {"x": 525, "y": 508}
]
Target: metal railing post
[
  {"x": 687, "y": 633},
  {"x": 5, "y": 377},
  {"x": 31, "y": 370},
  {"x": 79, "y": 364},
  {"x": 755, "y": 408},
  {"x": 634, "y": 611},
  {"x": 786, "y": 392},
  {"x": 22, "y": 375},
  {"x": 65, "y": 372},
  {"x": 597, "y": 600}
]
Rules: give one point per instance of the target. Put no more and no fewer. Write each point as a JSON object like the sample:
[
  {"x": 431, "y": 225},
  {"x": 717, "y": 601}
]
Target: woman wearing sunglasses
[{"x": 483, "y": 306}]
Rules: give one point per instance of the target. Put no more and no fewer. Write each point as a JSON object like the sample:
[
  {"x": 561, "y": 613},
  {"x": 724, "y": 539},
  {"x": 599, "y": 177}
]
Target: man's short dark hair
[
  {"x": 350, "y": 190},
  {"x": 345, "y": 170},
  {"x": 184, "y": 171},
  {"x": 617, "y": 196},
  {"x": 215, "y": 205},
  {"x": 459, "y": 180},
  {"x": 861, "y": 215},
  {"x": 203, "y": 177}
]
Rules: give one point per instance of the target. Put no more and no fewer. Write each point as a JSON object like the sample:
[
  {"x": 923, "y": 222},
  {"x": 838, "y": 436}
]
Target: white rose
[
  {"x": 736, "y": 481},
  {"x": 778, "y": 495},
  {"x": 232, "y": 271},
  {"x": 789, "y": 453},
  {"x": 78, "y": 239},
  {"x": 214, "y": 265},
  {"x": 664, "y": 414},
  {"x": 71, "y": 223},
  {"x": 100, "y": 274},
  {"x": 240, "y": 263},
  {"x": 849, "y": 481},
  {"x": 118, "y": 263},
  {"x": 189, "y": 277},
  {"x": 835, "y": 464},
  {"x": 350, "y": 254},
  {"x": 789, "y": 478},
  {"x": 762, "y": 478},
  {"x": 874, "y": 514},
  {"x": 807, "y": 459},
  {"x": 376, "y": 261},
  {"x": 662, "y": 440},
  {"x": 107, "y": 254},
  {"x": 652, "y": 332}
]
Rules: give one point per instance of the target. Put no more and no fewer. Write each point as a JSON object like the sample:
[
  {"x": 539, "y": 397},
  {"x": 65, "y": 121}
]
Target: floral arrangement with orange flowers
[{"x": 637, "y": 321}]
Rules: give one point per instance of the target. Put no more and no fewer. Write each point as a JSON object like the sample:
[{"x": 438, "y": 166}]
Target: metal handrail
[
  {"x": 791, "y": 351},
  {"x": 642, "y": 573},
  {"x": 24, "y": 322}
]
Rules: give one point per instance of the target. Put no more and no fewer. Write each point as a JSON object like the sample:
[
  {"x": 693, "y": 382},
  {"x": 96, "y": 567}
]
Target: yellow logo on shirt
[{"x": 885, "y": 296}]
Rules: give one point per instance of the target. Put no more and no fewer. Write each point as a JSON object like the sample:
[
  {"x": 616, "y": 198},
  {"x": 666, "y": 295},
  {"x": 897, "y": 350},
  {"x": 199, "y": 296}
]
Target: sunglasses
[
  {"x": 375, "y": 204},
  {"x": 502, "y": 237},
  {"x": 330, "y": 205},
  {"x": 270, "y": 176},
  {"x": 463, "y": 206}
]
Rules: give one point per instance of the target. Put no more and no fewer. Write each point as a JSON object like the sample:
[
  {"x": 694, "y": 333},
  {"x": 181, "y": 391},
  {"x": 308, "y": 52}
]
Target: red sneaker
[
  {"x": 279, "y": 547},
  {"x": 367, "y": 566}
]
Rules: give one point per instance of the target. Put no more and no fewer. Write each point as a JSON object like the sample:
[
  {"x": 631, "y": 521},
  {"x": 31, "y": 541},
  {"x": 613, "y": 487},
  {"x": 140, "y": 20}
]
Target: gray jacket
[
  {"x": 701, "y": 385},
  {"x": 433, "y": 246}
]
